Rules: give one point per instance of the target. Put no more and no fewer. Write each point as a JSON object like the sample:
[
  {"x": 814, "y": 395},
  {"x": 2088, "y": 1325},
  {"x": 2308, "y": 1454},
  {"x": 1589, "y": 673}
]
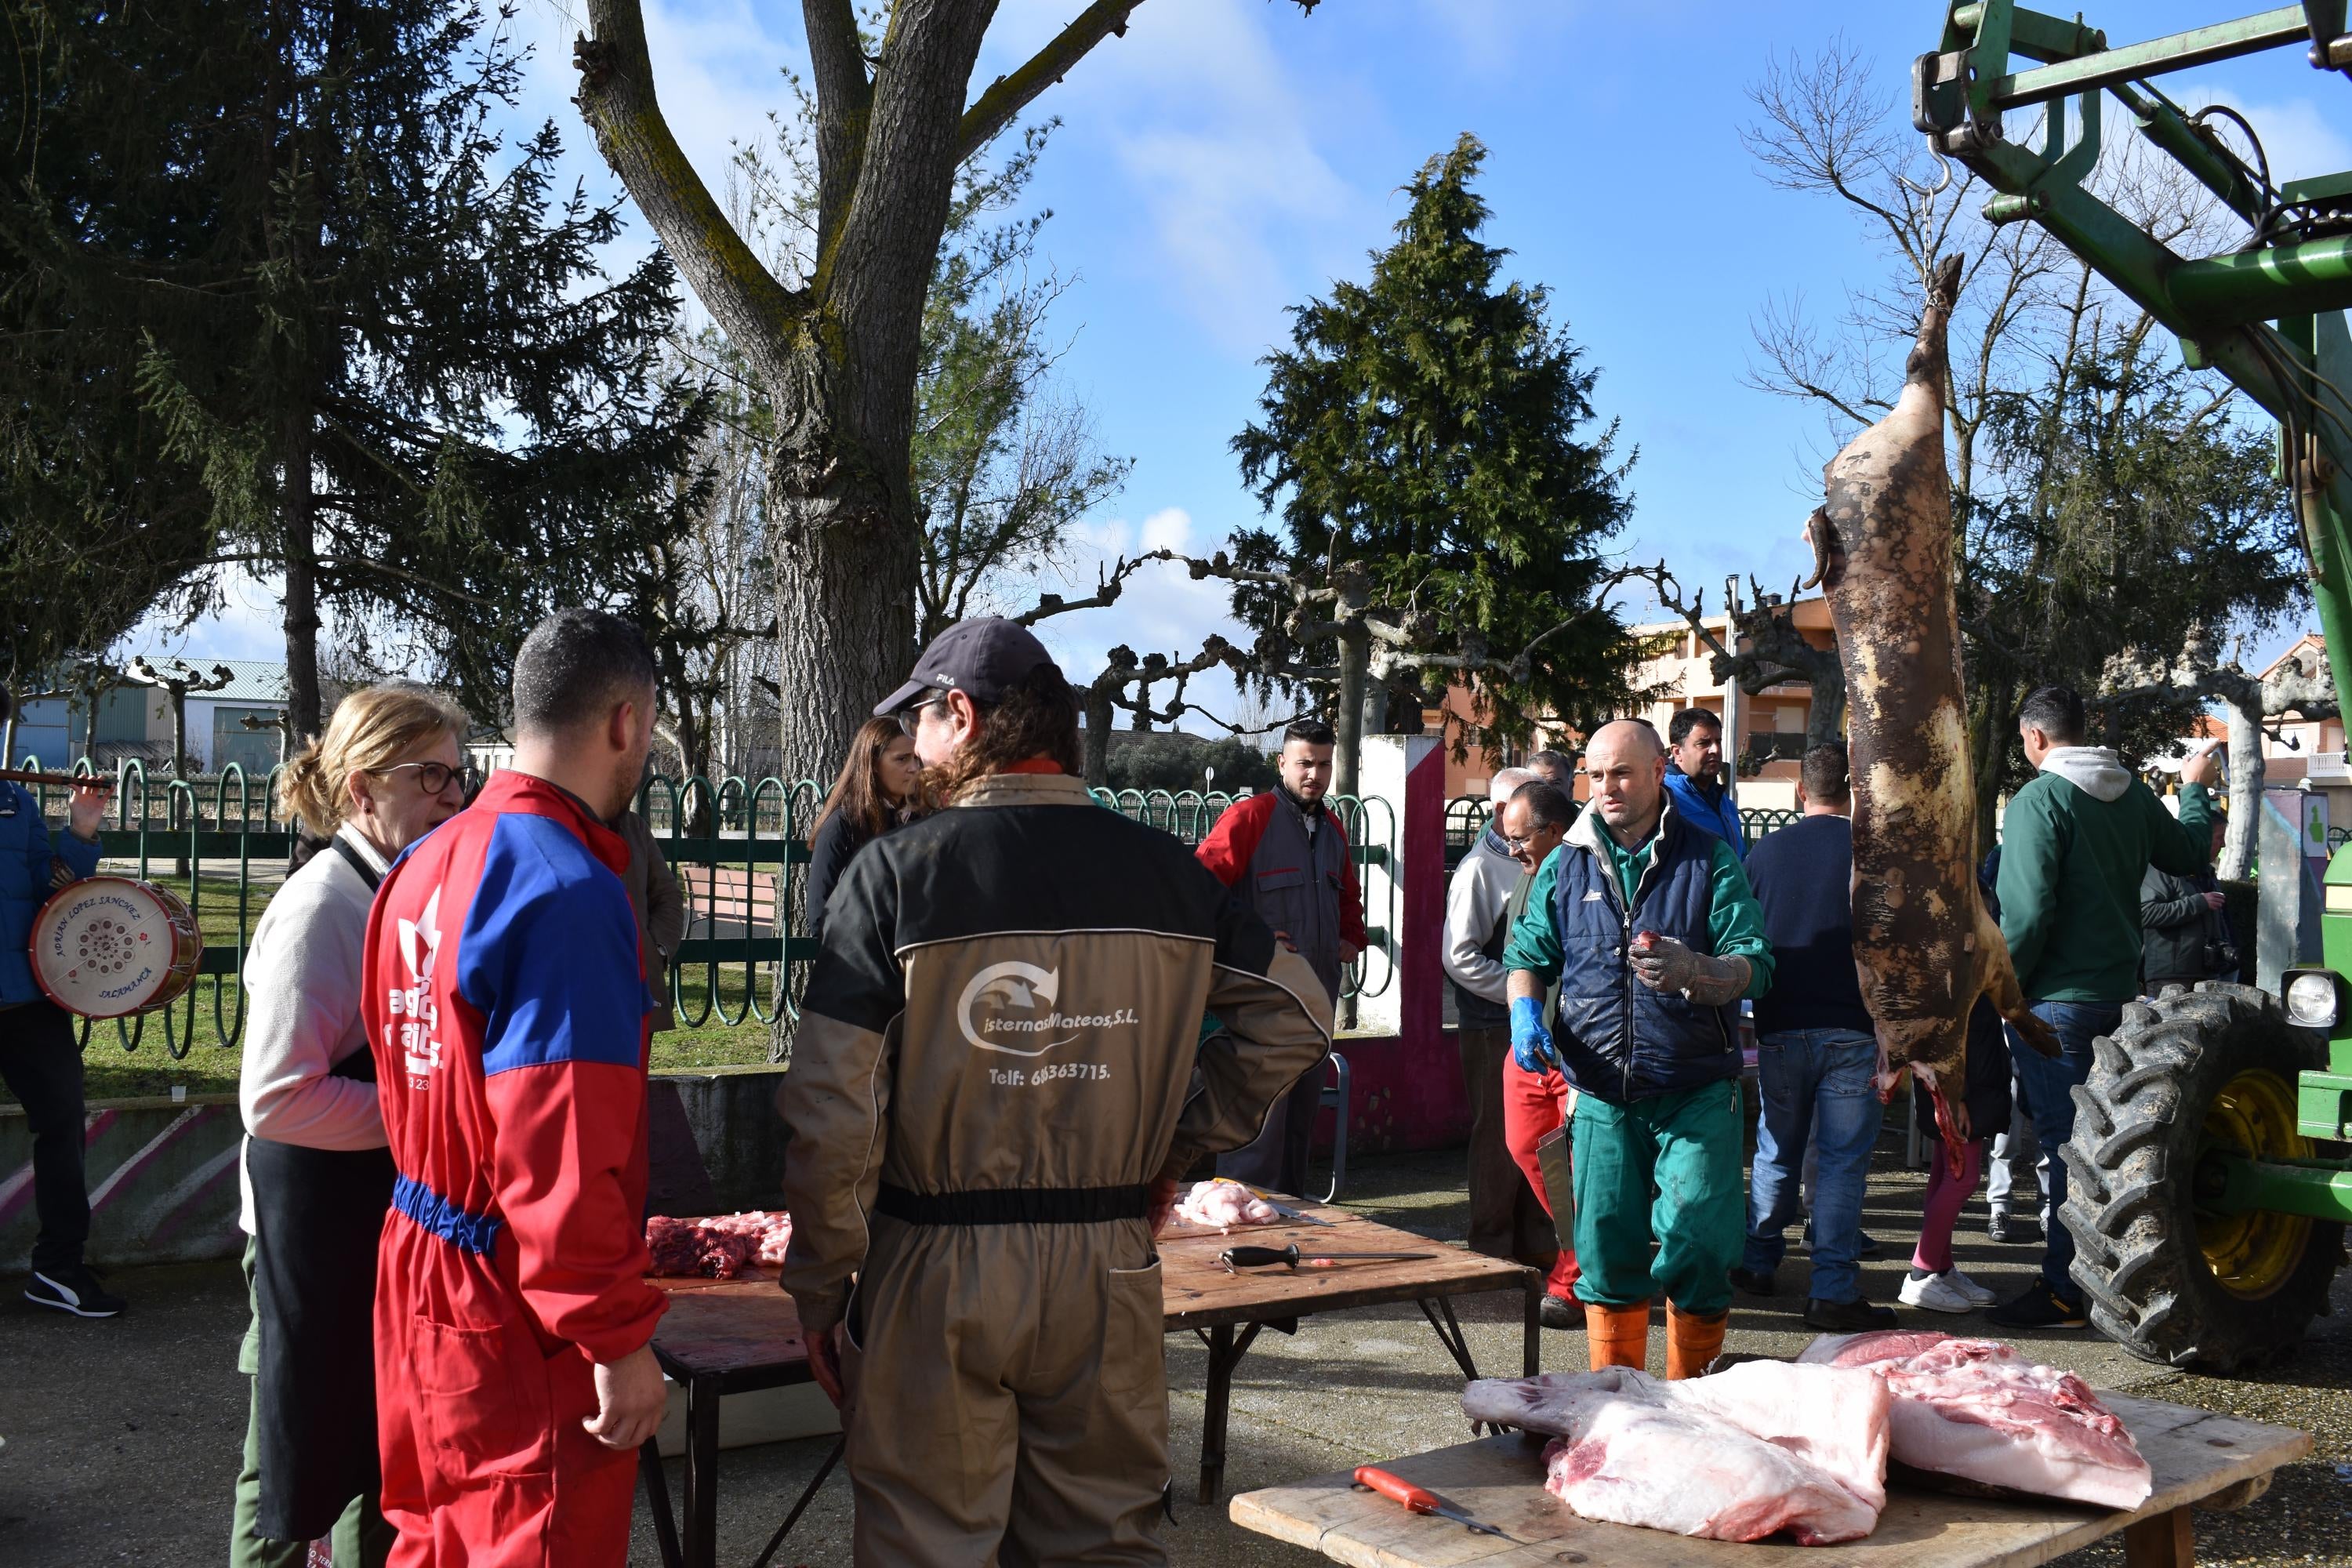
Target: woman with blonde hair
[{"x": 315, "y": 1176}]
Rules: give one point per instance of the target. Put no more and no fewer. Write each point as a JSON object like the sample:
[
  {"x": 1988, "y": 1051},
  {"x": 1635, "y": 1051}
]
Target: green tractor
[{"x": 2210, "y": 1182}]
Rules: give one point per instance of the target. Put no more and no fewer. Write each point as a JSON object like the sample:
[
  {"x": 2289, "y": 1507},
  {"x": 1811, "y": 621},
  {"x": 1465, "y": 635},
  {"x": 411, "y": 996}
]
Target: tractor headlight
[
  {"x": 2311, "y": 999},
  {"x": 2336, "y": 898}
]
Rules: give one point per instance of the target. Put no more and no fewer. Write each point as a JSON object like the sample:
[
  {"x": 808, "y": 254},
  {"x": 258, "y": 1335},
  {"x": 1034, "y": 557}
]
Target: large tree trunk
[
  {"x": 845, "y": 629},
  {"x": 1989, "y": 730},
  {"x": 1348, "y": 721},
  {"x": 1825, "y": 720},
  {"x": 1096, "y": 741},
  {"x": 2245, "y": 785},
  {"x": 300, "y": 510}
]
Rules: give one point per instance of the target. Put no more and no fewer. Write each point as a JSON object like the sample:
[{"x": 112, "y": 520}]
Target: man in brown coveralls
[{"x": 989, "y": 1116}]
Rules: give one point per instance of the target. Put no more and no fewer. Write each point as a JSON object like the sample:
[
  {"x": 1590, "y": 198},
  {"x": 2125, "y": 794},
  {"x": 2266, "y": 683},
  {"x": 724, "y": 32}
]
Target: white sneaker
[
  {"x": 1937, "y": 1293},
  {"x": 1969, "y": 1287}
]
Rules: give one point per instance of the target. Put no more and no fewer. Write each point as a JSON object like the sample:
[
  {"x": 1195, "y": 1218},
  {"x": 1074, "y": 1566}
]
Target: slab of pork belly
[{"x": 1977, "y": 1409}]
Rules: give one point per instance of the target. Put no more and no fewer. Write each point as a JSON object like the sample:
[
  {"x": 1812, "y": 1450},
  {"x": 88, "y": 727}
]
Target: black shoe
[
  {"x": 1559, "y": 1313},
  {"x": 72, "y": 1288},
  {"x": 2037, "y": 1307},
  {"x": 1866, "y": 1246},
  {"x": 1998, "y": 1228},
  {"x": 1847, "y": 1317},
  {"x": 1754, "y": 1284}
]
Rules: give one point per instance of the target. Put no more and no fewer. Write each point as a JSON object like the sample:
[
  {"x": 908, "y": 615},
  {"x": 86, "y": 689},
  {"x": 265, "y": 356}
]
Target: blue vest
[{"x": 1618, "y": 1039}]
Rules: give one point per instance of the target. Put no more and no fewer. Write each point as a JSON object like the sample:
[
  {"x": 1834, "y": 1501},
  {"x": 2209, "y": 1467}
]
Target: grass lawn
[{"x": 210, "y": 1068}]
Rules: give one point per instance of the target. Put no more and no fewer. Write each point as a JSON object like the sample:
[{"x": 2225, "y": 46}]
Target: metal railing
[{"x": 757, "y": 830}]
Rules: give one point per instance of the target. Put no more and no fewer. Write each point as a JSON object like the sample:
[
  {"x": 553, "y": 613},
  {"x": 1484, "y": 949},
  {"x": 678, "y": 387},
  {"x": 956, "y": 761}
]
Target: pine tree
[
  {"x": 1423, "y": 443},
  {"x": 380, "y": 336}
]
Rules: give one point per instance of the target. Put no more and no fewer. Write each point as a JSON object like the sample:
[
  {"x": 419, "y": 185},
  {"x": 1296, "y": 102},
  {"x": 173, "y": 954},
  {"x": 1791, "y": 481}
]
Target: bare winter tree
[
  {"x": 2035, "y": 334},
  {"x": 836, "y": 348}
]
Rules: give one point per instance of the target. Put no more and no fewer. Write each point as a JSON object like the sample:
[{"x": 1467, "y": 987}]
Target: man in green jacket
[{"x": 2075, "y": 845}]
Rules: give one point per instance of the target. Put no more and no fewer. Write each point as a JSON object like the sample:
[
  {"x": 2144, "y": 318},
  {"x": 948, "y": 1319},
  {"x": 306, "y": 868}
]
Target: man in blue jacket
[
  {"x": 1695, "y": 776},
  {"x": 40, "y": 1058},
  {"x": 1648, "y": 925}
]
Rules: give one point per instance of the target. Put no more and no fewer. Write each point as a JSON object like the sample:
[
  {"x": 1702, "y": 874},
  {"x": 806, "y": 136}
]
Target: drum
[{"x": 107, "y": 946}]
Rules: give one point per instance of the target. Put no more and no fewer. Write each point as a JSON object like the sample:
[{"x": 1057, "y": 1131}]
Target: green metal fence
[{"x": 740, "y": 848}]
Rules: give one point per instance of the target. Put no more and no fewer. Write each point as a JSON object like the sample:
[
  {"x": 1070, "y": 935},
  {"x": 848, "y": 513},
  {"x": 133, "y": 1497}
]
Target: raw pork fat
[
  {"x": 1224, "y": 1204},
  {"x": 1977, "y": 1409},
  {"x": 1759, "y": 1448}
]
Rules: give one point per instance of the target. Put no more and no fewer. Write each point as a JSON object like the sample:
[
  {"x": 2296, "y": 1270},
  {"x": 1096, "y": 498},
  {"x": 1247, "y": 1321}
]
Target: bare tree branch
[{"x": 1009, "y": 95}]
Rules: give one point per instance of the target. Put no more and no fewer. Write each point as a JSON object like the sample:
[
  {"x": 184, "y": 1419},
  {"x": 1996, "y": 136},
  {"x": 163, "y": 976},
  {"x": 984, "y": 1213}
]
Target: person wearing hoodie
[
  {"x": 1694, "y": 777},
  {"x": 1506, "y": 1221},
  {"x": 2075, "y": 844},
  {"x": 1648, "y": 925}
]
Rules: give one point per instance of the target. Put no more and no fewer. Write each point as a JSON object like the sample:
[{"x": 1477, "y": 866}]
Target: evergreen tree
[
  {"x": 1423, "y": 443},
  {"x": 380, "y": 338}
]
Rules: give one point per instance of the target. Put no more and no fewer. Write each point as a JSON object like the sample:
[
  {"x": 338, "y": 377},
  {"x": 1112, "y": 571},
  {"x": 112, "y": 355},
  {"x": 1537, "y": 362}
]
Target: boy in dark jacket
[{"x": 40, "y": 1055}]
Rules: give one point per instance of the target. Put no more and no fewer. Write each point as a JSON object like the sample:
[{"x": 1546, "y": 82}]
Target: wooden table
[
  {"x": 720, "y": 1337},
  {"x": 731, "y": 1336},
  {"x": 1499, "y": 1480},
  {"x": 1227, "y": 1309}
]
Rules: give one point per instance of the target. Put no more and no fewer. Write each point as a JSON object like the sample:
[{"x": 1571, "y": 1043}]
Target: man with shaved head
[{"x": 1647, "y": 924}]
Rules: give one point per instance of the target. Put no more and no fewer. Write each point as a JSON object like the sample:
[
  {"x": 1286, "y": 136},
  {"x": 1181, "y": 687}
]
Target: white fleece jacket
[
  {"x": 302, "y": 1000},
  {"x": 2093, "y": 770}
]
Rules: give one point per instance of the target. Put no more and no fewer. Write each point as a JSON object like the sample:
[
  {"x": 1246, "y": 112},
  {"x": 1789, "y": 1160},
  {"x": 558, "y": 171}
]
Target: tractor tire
[{"x": 2144, "y": 1255}]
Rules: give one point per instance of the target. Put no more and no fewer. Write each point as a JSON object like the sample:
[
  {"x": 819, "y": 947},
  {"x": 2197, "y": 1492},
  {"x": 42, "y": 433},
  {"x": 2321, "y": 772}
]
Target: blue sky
[{"x": 1227, "y": 158}]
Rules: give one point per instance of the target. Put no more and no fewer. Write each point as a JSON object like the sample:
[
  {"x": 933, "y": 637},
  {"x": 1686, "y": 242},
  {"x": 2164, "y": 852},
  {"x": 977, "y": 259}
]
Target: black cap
[{"x": 983, "y": 658}]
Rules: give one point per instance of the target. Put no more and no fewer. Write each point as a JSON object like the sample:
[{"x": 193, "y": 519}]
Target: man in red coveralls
[{"x": 506, "y": 1006}]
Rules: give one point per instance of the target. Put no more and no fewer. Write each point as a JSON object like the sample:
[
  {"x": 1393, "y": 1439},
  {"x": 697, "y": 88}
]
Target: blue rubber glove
[{"x": 1531, "y": 1044}]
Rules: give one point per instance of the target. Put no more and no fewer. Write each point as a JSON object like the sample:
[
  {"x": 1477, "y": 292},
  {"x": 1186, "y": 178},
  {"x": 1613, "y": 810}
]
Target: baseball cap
[{"x": 983, "y": 658}]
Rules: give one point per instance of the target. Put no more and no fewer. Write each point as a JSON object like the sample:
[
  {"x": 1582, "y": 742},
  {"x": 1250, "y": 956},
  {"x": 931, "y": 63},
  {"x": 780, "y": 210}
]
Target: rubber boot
[
  {"x": 1693, "y": 1341},
  {"x": 1618, "y": 1336}
]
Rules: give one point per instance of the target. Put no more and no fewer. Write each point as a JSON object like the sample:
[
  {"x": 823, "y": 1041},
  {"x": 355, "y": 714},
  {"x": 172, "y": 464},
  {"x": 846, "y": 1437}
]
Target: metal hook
[{"x": 1925, "y": 191}]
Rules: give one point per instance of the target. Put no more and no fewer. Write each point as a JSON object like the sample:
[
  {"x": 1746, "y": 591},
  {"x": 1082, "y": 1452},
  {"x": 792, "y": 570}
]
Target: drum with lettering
[{"x": 107, "y": 946}]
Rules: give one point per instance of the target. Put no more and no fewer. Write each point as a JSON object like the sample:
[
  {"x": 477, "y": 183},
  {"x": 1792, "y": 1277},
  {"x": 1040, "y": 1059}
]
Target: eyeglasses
[
  {"x": 432, "y": 777},
  {"x": 911, "y": 717}
]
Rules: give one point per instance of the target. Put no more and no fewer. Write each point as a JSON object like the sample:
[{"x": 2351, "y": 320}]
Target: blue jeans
[
  {"x": 2049, "y": 1083},
  {"x": 1818, "y": 1087}
]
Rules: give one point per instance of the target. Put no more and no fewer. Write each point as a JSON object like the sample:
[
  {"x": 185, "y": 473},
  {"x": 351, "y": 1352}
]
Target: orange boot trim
[
  {"x": 1618, "y": 1336},
  {"x": 1693, "y": 1340}
]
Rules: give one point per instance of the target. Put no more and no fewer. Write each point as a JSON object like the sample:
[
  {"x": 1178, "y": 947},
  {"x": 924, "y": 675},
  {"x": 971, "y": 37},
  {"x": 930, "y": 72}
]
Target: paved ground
[{"x": 121, "y": 1437}]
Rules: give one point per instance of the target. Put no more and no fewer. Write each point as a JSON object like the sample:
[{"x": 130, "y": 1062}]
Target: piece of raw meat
[
  {"x": 717, "y": 1245},
  {"x": 1977, "y": 1409},
  {"x": 1759, "y": 1448},
  {"x": 1225, "y": 1204}
]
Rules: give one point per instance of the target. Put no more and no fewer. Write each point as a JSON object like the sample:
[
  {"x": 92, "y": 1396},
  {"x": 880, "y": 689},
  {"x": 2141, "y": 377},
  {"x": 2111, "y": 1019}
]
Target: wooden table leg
[
  {"x": 1531, "y": 1347},
  {"x": 701, "y": 1474},
  {"x": 649, "y": 1467},
  {"x": 1225, "y": 1351},
  {"x": 2161, "y": 1541}
]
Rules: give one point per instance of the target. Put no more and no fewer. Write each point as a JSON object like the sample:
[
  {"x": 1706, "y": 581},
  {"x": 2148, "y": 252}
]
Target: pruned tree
[
  {"x": 178, "y": 681},
  {"x": 1126, "y": 682},
  {"x": 1767, "y": 648},
  {"x": 2300, "y": 686},
  {"x": 1324, "y": 633},
  {"x": 838, "y": 345}
]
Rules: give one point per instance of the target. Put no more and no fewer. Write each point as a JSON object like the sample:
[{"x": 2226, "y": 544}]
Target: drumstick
[{"x": 71, "y": 781}]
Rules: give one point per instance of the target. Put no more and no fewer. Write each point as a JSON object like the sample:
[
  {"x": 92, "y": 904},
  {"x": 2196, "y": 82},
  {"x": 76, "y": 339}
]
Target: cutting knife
[
  {"x": 1418, "y": 1500},
  {"x": 1265, "y": 1257}
]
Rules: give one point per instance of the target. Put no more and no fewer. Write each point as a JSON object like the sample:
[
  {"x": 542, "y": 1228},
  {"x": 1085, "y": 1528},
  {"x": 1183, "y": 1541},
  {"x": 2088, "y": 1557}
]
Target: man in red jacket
[
  {"x": 506, "y": 1007},
  {"x": 1286, "y": 856}
]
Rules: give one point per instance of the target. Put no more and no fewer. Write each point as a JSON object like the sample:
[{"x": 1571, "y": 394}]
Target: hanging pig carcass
[{"x": 1924, "y": 944}]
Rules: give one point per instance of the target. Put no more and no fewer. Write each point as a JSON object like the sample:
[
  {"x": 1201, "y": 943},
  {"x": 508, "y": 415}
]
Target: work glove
[
  {"x": 1663, "y": 964},
  {"x": 1531, "y": 1044}
]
